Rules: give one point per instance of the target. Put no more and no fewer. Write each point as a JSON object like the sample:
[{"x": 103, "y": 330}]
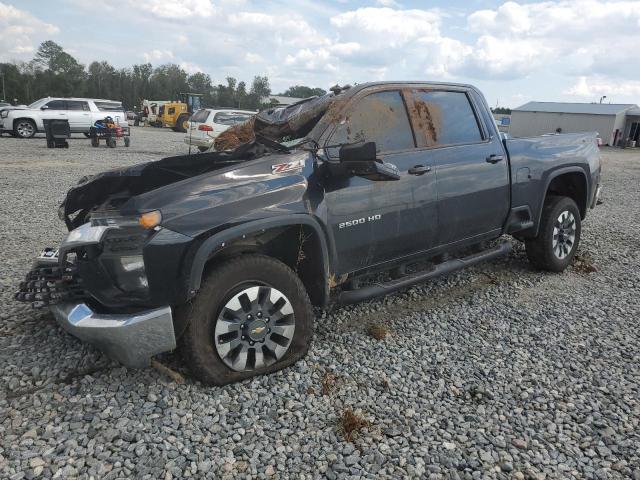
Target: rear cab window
[
  {"x": 444, "y": 118},
  {"x": 231, "y": 118},
  {"x": 379, "y": 117},
  {"x": 200, "y": 116}
]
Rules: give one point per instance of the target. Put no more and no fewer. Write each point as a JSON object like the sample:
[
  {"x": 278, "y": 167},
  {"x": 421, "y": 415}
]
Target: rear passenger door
[
  {"x": 79, "y": 115},
  {"x": 470, "y": 163}
]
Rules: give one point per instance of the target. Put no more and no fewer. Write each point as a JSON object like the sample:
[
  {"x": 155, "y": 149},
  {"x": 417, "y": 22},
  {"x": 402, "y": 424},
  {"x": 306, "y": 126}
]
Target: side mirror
[
  {"x": 360, "y": 160},
  {"x": 44, "y": 107},
  {"x": 360, "y": 152}
]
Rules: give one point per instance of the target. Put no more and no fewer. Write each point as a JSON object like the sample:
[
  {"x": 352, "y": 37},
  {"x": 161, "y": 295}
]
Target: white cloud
[
  {"x": 176, "y": 9},
  {"x": 190, "y": 68},
  {"x": 157, "y": 55},
  {"x": 388, "y": 3},
  {"x": 19, "y": 31},
  {"x": 598, "y": 86}
]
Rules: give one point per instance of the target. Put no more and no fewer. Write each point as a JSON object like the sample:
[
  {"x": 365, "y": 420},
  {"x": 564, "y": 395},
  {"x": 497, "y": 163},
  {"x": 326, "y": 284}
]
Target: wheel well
[
  {"x": 572, "y": 185},
  {"x": 16, "y": 120},
  {"x": 297, "y": 246}
]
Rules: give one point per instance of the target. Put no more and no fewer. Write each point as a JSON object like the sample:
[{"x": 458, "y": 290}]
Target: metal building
[{"x": 538, "y": 118}]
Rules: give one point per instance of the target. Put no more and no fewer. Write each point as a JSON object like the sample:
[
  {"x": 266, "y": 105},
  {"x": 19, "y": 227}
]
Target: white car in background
[
  {"x": 81, "y": 113},
  {"x": 207, "y": 123}
]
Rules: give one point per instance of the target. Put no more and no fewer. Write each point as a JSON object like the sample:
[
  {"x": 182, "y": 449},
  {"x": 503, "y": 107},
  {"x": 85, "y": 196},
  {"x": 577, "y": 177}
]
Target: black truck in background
[{"x": 356, "y": 194}]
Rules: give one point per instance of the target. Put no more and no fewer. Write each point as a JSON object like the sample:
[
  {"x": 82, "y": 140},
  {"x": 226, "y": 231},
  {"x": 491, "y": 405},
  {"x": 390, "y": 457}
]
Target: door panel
[
  {"x": 79, "y": 115},
  {"x": 473, "y": 195},
  {"x": 470, "y": 165},
  {"x": 376, "y": 221}
]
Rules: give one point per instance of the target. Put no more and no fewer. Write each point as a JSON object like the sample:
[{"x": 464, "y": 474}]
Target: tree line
[{"x": 55, "y": 73}]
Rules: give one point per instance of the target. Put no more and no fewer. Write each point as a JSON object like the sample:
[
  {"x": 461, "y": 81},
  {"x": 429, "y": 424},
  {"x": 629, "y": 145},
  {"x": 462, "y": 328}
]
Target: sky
[{"x": 513, "y": 51}]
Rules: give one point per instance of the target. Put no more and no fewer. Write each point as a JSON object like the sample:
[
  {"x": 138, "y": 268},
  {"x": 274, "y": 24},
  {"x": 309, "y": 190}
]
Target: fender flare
[
  {"x": 203, "y": 254},
  {"x": 557, "y": 173}
]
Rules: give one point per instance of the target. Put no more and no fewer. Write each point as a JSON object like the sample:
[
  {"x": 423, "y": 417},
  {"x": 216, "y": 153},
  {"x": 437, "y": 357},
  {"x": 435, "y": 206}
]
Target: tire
[
  {"x": 127, "y": 141},
  {"x": 558, "y": 236},
  {"x": 95, "y": 142},
  {"x": 203, "y": 149},
  {"x": 86, "y": 134},
  {"x": 256, "y": 277},
  {"x": 24, "y": 128},
  {"x": 182, "y": 123},
  {"x": 111, "y": 142}
]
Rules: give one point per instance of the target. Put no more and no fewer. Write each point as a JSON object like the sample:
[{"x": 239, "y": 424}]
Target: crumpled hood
[
  {"x": 124, "y": 183},
  {"x": 271, "y": 185}
]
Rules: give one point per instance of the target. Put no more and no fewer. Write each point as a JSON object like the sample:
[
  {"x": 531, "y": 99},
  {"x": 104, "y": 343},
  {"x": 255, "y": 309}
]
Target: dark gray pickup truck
[{"x": 340, "y": 198}]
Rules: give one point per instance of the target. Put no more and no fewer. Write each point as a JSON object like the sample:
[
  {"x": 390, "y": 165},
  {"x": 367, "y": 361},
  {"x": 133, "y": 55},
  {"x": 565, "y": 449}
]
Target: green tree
[
  {"x": 59, "y": 72},
  {"x": 300, "y": 91}
]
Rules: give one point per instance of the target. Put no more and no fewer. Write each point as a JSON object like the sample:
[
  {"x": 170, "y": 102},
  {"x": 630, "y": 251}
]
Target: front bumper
[{"x": 132, "y": 339}]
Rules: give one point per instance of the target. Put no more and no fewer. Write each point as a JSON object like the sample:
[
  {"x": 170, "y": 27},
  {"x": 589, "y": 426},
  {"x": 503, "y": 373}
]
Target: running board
[{"x": 379, "y": 289}]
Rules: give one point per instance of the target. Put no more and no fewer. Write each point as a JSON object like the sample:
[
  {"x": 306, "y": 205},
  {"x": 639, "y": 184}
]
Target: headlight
[{"x": 4, "y": 114}]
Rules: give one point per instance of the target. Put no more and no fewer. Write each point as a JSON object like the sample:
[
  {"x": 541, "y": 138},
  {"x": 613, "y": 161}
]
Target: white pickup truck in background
[{"x": 81, "y": 113}]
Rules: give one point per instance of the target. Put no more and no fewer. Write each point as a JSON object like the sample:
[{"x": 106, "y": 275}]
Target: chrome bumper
[{"x": 131, "y": 339}]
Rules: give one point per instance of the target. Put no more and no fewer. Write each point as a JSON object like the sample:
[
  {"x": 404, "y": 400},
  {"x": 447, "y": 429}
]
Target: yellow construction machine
[{"x": 176, "y": 114}]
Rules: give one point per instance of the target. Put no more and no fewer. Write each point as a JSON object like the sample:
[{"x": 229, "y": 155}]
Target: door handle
[
  {"x": 419, "y": 170},
  {"x": 494, "y": 158}
]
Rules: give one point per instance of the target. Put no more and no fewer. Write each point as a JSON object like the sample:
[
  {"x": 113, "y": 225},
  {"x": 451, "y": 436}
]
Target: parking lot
[{"x": 498, "y": 371}]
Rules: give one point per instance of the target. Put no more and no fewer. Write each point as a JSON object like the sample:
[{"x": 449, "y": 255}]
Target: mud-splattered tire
[
  {"x": 251, "y": 302},
  {"x": 558, "y": 236}
]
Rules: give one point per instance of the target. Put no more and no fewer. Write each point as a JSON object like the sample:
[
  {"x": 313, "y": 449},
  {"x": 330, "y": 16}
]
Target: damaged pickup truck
[{"x": 340, "y": 198}]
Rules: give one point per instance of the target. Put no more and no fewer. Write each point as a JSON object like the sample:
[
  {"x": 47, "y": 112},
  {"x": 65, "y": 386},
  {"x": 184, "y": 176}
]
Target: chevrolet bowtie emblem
[{"x": 257, "y": 330}]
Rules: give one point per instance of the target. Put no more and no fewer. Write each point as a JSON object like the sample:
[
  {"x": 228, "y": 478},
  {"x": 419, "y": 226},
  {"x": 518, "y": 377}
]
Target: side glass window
[
  {"x": 446, "y": 118},
  {"x": 380, "y": 117},
  {"x": 77, "y": 105},
  {"x": 57, "y": 105}
]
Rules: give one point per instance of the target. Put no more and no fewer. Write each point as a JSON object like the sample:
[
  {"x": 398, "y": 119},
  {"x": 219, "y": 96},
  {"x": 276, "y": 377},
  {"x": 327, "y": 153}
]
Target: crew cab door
[
  {"x": 79, "y": 115},
  {"x": 53, "y": 110},
  {"x": 376, "y": 221},
  {"x": 470, "y": 163}
]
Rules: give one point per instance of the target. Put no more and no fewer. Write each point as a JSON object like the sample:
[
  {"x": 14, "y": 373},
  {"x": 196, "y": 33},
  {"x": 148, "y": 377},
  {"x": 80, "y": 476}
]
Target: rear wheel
[
  {"x": 558, "y": 236},
  {"x": 111, "y": 142},
  {"x": 127, "y": 141},
  {"x": 251, "y": 316},
  {"x": 95, "y": 142},
  {"x": 24, "y": 128}
]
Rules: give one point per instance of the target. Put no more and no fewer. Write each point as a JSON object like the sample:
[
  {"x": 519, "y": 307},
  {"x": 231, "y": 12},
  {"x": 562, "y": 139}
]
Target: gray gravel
[{"x": 496, "y": 372}]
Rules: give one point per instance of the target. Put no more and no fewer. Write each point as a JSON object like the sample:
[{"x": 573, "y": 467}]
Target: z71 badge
[{"x": 294, "y": 166}]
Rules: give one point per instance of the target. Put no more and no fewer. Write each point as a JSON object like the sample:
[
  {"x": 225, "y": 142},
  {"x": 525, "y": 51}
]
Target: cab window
[
  {"x": 445, "y": 118},
  {"x": 379, "y": 117},
  {"x": 57, "y": 105},
  {"x": 77, "y": 105}
]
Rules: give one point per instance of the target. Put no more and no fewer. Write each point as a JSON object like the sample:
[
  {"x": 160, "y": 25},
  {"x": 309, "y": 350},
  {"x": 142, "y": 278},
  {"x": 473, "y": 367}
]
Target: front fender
[{"x": 217, "y": 241}]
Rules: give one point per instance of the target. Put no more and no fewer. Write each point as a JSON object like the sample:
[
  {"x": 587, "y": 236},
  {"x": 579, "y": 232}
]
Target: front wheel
[
  {"x": 24, "y": 128},
  {"x": 251, "y": 316},
  {"x": 558, "y": 237}
]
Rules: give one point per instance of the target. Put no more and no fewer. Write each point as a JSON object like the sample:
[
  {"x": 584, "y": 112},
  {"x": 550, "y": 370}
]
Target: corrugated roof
[
  {"x": 566, "y": 107},
  {"x": 634, "y": 111}
]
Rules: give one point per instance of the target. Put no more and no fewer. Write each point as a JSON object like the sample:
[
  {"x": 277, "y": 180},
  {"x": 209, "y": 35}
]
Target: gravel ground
[{"x": 495, "y": 372}]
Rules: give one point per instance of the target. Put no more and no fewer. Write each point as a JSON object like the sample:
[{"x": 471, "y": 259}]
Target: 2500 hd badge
[{"x": 359, "y": 221}]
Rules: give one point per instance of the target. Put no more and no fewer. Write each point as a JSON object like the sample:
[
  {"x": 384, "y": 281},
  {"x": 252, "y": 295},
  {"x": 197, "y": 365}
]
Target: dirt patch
[
  {"x": 329, "y": 383},
  {"x": 377, "y": 331},
  {"x": 584, "y": 263},
  {"x": 350, "y": 423},
  {"x": 235, "y": 136}
]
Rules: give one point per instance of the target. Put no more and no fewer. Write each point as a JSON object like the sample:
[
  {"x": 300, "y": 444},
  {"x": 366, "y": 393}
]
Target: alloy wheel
[
  {"x": 564, "y": 234},
  {"x": 254, "y": 328},
  {"x": 25, "y": 129}
]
